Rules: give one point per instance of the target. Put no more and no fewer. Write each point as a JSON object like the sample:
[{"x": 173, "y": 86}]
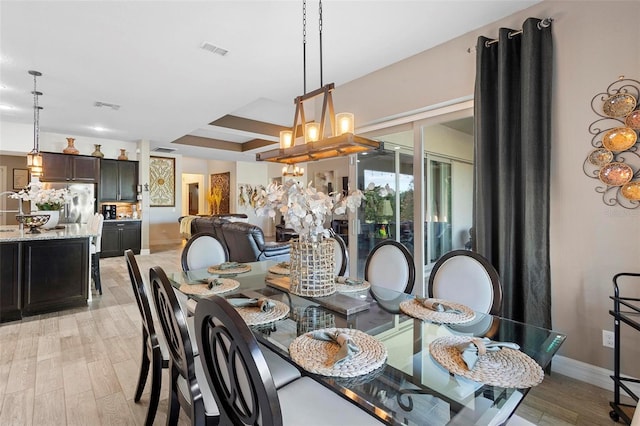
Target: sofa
[
  {"x": 191, "y": 225},
  {"x": 245, "y": 243}
]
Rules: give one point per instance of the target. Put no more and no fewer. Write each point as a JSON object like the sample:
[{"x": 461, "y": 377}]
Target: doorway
[{"x": 194, "y": 198}]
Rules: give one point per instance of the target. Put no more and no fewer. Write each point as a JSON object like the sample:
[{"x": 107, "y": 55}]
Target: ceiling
[{"x": 145, "y": 57}]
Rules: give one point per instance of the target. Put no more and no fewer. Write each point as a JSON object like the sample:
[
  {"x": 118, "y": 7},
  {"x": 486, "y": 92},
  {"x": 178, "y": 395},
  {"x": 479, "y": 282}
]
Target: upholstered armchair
[{"x": 246, "y": 243}]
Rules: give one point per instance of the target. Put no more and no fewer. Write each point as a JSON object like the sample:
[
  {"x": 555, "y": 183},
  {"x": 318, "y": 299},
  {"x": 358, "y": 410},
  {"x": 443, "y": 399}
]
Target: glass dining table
[{"x": 411, "y": 388}]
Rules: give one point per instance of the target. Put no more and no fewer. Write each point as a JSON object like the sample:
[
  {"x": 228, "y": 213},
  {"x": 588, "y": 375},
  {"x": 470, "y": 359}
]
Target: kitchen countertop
[
  {"x": 124, "y": 219},
  {"x": 9, "y": 233}
]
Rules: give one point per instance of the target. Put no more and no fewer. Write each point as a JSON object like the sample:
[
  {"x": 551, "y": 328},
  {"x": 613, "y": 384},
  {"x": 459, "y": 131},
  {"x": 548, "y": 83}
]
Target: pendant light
[
  {"x": 34, "y": 158},
  {"x": 314, "y": 144}
]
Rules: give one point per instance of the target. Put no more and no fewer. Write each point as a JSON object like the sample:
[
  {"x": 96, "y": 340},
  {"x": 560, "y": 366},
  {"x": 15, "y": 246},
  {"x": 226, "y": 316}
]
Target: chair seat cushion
[
  {"x": 283, "y": 372},
  {"x": 306, "y": 402},
  {"x": 210, "y": 406}
]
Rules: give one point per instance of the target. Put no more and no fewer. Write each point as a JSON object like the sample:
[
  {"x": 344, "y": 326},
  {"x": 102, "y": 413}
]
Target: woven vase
[{"x": 312, "y": 270}]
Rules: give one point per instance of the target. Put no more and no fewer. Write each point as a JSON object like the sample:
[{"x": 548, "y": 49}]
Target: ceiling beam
[
  {"x": 209, "y": 143},
  {"x": 248, "y": 125}
]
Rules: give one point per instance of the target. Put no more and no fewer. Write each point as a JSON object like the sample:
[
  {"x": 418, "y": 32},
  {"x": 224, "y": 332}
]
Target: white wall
[{"x": 590, "y": 242}]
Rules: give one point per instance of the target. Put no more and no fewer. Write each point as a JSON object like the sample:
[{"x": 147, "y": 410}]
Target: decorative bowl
[{"x": 33, "y": 221}]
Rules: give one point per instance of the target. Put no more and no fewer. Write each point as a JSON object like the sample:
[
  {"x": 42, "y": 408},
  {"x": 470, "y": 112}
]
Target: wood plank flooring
[{"x": 80, "y": 366}]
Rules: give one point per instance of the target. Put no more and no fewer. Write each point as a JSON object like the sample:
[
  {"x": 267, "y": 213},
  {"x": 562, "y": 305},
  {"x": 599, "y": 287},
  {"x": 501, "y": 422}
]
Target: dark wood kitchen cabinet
[
  {"x": 10, "y": 289},
  {"x": 55, "y": 274},
  {"x": 118, "y": 181},
  {"x": 120, "y": 235},
  {"x": 69, "y": 168}
]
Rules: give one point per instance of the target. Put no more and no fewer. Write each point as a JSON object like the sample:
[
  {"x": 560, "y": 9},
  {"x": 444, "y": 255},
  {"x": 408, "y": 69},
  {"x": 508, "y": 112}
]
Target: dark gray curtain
[{"x": 511, "y": 170}]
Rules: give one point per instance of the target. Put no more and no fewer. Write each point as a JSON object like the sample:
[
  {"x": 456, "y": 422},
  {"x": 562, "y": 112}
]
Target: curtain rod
[{"x": 544, "y": 23}]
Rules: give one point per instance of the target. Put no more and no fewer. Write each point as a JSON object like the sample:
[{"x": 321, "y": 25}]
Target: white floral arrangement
[
  {"x": 305, "y": 209},
  {"x": 45, "y": 199}
]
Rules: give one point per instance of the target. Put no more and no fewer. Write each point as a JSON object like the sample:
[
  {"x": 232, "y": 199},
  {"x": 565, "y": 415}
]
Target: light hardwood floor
[{"x": 80, "y": 366}]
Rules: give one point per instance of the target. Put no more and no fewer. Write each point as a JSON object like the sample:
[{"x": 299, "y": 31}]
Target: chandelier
[
  {"x": 314, "y": 144},
  {"x": 34, "y": 158},
  {"x": 292, "y": 170}
]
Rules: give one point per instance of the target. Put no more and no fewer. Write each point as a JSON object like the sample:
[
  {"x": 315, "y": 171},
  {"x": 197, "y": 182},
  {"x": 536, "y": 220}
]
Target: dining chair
[
  {"x": 466, "y": 277},
  {"x": 189, "y": 388},
  {"x": 95, "y": 225},
  {"x": 187, "y": 385},
  {"x": 203, "y": 250},
  {"x": 154, "y": 350},
  {"x": 244, "y": 388},
  {"x": 390, "y": 265},
  {"x": 341, "y": 254}
]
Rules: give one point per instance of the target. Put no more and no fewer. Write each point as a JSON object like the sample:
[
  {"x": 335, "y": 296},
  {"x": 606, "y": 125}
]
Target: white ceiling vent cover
[
  {"x": 214, "y": 49},
  {"x": 106, "y": 105},
  {"x": 163, "y": 149}
]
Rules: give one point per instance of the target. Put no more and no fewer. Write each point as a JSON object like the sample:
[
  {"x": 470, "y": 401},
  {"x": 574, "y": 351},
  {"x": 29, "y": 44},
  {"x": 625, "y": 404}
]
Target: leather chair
[
  {"x": 378, "y": 272},
  {"x": 246, "y": 243}
]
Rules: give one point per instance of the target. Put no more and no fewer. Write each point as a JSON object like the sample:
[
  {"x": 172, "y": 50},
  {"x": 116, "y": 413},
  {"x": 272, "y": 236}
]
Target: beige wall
[{"x": 590, "y": 242}]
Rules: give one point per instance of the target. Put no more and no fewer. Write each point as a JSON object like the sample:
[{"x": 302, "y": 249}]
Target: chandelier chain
[
  {"x": 304, "y": 46},
  {"x": 36, "y": 115},
  {"x": 320, "y": 32}
]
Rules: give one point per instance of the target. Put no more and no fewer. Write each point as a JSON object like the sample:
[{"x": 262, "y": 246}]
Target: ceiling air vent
[
  {"x": 163, "y": 149},
  {"x": 106, "y": 105},
  {"x": 214, "y": 49}
]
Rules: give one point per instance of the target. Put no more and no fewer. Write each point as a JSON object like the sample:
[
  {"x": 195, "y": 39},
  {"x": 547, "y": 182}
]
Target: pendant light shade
[{"x": 34, "y": 158}]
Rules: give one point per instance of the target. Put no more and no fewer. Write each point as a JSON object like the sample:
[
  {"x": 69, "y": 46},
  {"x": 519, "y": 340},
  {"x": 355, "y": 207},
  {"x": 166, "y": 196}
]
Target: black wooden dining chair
[
  {"x": 467, "y": 277},
  {"x": 390, "y": 265},
  {"x": 188, "y": 386},
  {"x": 154, "y": 353},
  {"x": 244, "y": 389},
  {"x": 341, "y": 254},
  {"x": 202, "y": 250}
]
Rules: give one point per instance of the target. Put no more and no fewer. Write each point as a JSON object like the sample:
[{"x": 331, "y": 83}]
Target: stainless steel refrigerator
[{"x": 83, "y": 201}]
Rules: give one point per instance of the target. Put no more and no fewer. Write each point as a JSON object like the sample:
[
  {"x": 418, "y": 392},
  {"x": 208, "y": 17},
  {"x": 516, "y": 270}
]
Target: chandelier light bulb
[
  {"x": 286, "y": 139},
  {"x": 311, "y": 132},
  {"x": 344, "y": 123}
]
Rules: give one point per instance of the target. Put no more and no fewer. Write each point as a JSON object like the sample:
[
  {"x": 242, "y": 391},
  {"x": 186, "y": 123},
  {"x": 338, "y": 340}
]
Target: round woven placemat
[
  {"x": 316, "y": 356},
  {"x": 204, "y": 290},
  {"x": 275, "y": 269},
  {"x": 416, "y": 309},
  {"x": 239, "y": 270},
  {"x": 254, "y": 316},
  {"x": 507, "y": 368},
  {"x": 346, "y": 288}
]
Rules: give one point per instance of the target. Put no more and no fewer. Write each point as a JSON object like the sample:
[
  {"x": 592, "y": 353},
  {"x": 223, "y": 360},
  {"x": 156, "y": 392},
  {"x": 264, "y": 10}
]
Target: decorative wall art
[
  {"x": 20, "y": 178},
  {"x": 249, "y": 195},
  {"x": 615, "y": 158},
  {"x": 162, "y": 179},
  {"x": 324, "y": 181},
  {"x": 220, "y": 191}
]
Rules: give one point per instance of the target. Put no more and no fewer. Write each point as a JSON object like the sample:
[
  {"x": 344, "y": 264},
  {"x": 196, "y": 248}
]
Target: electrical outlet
[{"x": 608, "y": 340}]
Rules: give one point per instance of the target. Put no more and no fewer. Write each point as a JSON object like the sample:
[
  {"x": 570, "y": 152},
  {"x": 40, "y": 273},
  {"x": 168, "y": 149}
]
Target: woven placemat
[
  {"x": 346, "y": 288},
  {"x": 416, "y": 309},
  {"x": 316, "y": 356},
  {"x": 203, "y": 289},
  {"x": 254, "y": 316},
  {"x": 239, "y": 270},
  {"x": 507, "y": 368},
  {"x": 279, "y": 270}
]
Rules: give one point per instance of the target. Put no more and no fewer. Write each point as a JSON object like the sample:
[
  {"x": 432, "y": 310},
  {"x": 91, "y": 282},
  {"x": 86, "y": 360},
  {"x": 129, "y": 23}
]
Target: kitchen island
[{"x": 43, "y": 272}]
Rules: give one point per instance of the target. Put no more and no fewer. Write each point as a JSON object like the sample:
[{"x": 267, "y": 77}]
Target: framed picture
[
  {"x": 20, "y": 178},
  {"x": 324, "y": 181},
  {"x": 219, "y": 193},
  {"x": 162, "y": 181}
]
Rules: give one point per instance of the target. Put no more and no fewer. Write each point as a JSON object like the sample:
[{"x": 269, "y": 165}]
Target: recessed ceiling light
[
  {"x": 396, "y": 147},
  {"x": 99, "y": 129},
  {"x": 6, "y": 107}
]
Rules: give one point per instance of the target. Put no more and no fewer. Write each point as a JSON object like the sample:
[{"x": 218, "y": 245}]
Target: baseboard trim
[{"x": 588, "y": 373}]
